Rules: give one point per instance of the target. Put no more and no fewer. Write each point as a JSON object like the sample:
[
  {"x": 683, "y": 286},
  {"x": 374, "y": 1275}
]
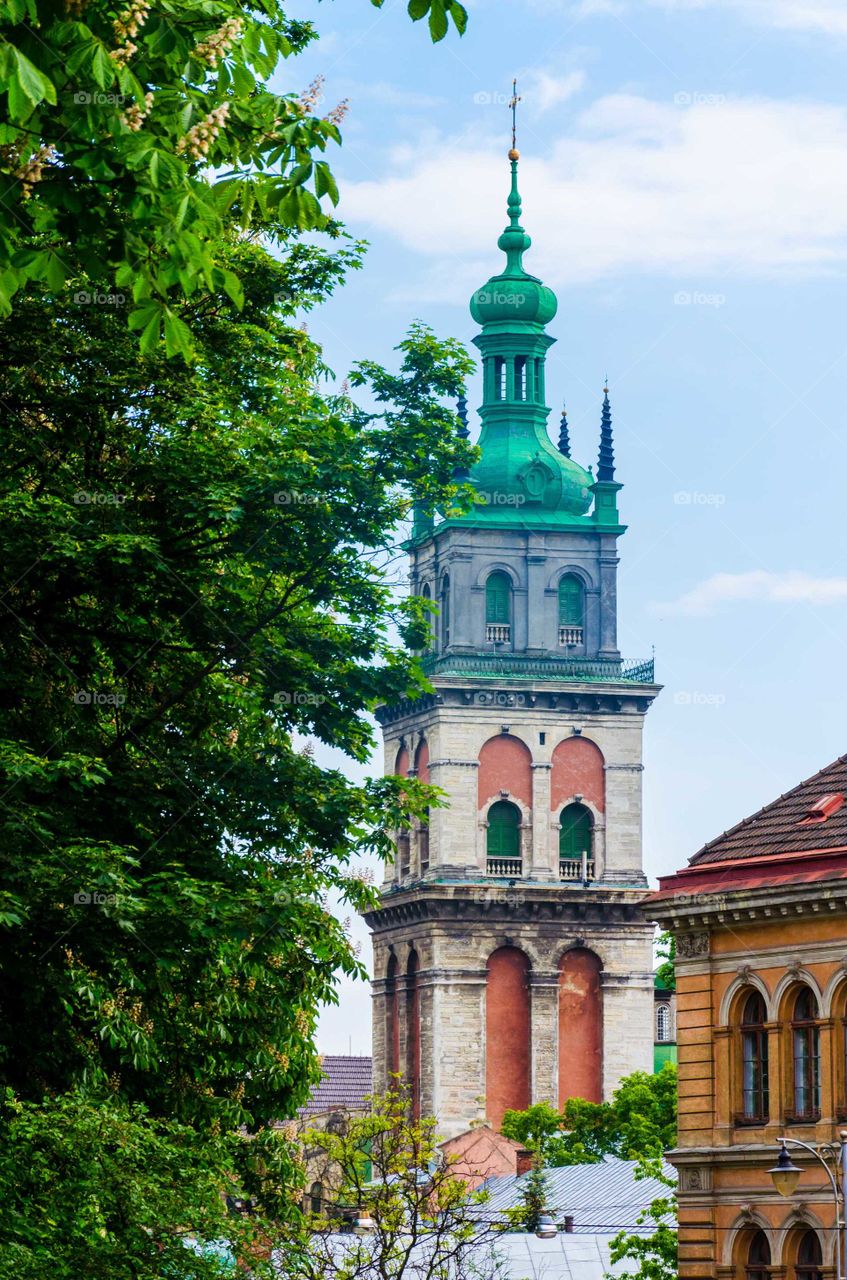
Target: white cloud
[
  {"x": 389, "y": 95},
  {"x": 757, "y": 586},
  {"x": 542, "y": 90},
  {"x": 827, "y": 16},
  {"x": 693, "y": 187}
]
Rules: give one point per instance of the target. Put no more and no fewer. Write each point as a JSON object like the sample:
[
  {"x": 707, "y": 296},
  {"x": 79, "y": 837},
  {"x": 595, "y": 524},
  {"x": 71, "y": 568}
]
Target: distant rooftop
[{"x": 347, "y": 1082}]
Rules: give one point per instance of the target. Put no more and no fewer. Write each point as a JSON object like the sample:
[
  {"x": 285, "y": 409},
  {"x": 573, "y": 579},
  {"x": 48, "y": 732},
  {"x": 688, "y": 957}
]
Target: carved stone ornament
[{"x": 691, "y": 945}]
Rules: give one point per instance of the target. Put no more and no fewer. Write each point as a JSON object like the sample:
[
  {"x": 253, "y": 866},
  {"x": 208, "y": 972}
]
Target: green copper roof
[
  {"x": 514, "y": 298},
  {"x": 521, "y": 477}
]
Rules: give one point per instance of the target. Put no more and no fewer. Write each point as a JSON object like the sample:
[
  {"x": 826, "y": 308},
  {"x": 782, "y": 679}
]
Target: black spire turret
[
  {"x": 606, "y": 460},
  {"x": 564, "y": 434}
]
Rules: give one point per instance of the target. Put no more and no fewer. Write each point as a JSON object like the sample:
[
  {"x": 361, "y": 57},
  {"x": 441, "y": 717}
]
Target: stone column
[
  {"x": 537, "y": 641},
  {"x": 627, "y": 1026},
  {"x": 623, "y": 824},
  {"x": 453, "y": 830},
  {"x": 541, "y": 868},
  {"x": 456, "y": 1057},
  {"x": 608, "y": 603},
  {"x": 544, "y": 1021}
]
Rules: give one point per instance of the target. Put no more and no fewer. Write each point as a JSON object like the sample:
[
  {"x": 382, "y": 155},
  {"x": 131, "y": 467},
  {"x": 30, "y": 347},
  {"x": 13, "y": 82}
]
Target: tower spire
[
  {"x": 606, "y": 460},
  {"x": 564, "y": 434}
]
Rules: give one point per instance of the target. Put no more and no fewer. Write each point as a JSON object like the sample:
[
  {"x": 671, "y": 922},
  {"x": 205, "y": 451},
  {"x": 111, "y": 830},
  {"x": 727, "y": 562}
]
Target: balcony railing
[
  {"x": 576, "y": 869},
  {"x": 505, "y": 866},
  {"x": 570, "y": 635},
  {"x": 492, "y": 666},
  {"x": 498, "y": 632}
]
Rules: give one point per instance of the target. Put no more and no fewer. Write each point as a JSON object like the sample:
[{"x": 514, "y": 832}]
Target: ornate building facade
[
  {"x": 511, "y": 962},
  {"x": 761, "y": 973}
]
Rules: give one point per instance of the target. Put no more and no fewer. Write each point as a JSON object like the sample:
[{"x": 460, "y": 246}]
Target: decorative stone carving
[{"x": 690, "y": 946}]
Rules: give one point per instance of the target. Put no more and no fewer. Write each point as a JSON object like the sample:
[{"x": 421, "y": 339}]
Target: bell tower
[{"x": 511, "y": 965}]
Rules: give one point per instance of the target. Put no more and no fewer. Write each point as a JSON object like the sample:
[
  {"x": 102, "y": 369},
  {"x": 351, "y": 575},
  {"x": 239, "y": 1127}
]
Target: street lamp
[{"x": 785, "y": 1176}]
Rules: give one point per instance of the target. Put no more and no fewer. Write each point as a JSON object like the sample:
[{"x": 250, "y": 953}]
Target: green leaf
[
  {"x": 438, "y": 20},
  {"x": 33, "y": 83},
  {"x": 459, "y": 15},
  {"x": 178, "y": 339},
  {"x": 418, "y": 9}
]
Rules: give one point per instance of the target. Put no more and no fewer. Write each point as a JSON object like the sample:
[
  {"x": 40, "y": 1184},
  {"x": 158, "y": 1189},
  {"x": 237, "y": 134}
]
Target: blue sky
[{"x": 684, "y": 176}]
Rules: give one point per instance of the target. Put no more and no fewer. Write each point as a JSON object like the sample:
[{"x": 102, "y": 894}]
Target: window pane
[
  {"x": 570, "y": 602},
  {"x": 575, "y": 832},
  {"x": 498, "y": 599},
  {"x": 503, "y": 830}
]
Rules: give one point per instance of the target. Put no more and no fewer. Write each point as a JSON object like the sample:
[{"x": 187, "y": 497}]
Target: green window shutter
[
  {"x": 498, "y": 599},
  {"x": 575, "y": 831},
  {"x": 503, "y": 830},
  {"x": 570, "y": 602}
]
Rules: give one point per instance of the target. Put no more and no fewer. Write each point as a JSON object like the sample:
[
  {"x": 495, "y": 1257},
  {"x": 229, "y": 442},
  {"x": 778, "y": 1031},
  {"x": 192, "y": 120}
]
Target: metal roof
[{"x": 603, "y": 1197}]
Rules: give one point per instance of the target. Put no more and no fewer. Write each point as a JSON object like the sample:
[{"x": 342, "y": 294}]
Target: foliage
[
  {"x": 666, "y": 972},
  {"x": 386, "y": 1166},
  {"x": 639, "y": 1121},
  {"x": 526, "y": 1216},
  {"x": 190, "y": 590},
  {"x": 133, "y": 131},
  {"x": 90, "y": 1189},
  {"x": 655, "y": 1254}
]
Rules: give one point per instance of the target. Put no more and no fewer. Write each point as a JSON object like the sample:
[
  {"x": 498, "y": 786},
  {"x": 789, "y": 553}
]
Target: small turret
[{"x": 564, "y": 435}]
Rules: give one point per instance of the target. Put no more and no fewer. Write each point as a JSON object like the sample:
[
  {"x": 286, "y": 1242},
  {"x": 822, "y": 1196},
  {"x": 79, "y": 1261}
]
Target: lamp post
[{"x": 833, "y": 1156}]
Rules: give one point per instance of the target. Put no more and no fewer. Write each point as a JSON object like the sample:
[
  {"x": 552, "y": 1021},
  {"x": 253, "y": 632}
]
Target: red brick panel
[
  {"x": 507, "y": 1034},
  {"x": 505, "y": 765},
  {"x": 578, "y": 770},
  {"x": 422, "y": 762},
  {"x": 580, "y": 1027}
]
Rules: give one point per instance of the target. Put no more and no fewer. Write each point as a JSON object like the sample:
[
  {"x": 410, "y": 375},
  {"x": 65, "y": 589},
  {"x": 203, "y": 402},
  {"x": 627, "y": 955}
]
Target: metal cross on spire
[{"x": 513, "y": 106}]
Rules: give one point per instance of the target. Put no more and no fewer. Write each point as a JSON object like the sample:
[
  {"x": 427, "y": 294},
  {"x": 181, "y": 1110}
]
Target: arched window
[
  {"x": 809, "y": 1257},
  {"x": 520, "y": 377},
  {"x": 805, "y": 1038},
  {"x": 445, "y": 611},
  {"x": 663, "y": 1023},
  {"x": 758, "y": 1257},
  {"x": 754, "y": 1060},
  {"x": 503, "y": 841},
  {"x": 316, "y": 1197},
  {"x": 571, "y": 610},
  {"x": 413, "y": 1033},
  {"x": 499, "y": 378},
  {"x": 576, "y": 833},
  {"x": 498, "y": 607}
]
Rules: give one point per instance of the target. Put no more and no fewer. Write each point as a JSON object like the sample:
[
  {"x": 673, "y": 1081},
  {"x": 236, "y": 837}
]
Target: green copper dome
[{"x": 514, "y": 295}]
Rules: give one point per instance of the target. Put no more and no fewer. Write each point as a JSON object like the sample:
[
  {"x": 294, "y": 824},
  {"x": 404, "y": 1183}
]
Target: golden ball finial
[{"x": 514, "y": 154}]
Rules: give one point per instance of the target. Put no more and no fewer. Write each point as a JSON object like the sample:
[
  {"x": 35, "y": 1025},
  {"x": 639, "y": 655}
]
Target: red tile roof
[
  {"x": 346, "y": 1084},
  {"x": 782, "y": 826}
]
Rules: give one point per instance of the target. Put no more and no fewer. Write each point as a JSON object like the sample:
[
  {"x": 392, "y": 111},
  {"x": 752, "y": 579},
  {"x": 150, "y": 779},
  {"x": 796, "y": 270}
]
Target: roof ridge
[{"x": 730, "y": 831}]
